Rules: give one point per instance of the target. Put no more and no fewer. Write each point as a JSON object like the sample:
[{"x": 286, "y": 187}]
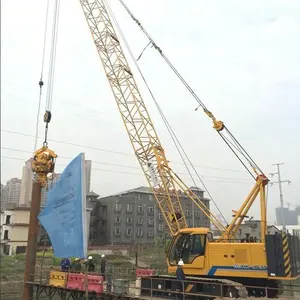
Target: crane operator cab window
[{"x": 187, "y": 247}]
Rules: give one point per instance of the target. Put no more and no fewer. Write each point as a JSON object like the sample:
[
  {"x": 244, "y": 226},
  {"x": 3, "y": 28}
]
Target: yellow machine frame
[{"x": 166, "y": 185}]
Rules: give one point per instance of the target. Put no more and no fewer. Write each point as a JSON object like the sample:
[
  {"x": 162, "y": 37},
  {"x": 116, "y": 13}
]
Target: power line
[
  {"x": 113, "y": 152},
  {"x": 70, "y": 103},
  {"x": 118, "y": 165},
  {"x": 129, "y": 173}
]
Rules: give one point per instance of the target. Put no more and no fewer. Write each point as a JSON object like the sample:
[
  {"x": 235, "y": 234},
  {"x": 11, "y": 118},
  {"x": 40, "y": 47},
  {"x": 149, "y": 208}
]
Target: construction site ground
[{"x": 12, "y": 271}]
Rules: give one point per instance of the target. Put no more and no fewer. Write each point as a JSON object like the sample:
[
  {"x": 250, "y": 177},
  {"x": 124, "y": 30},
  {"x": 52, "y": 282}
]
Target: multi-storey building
[
  {"x": 289, "y": 216},
  {"x": 55, "y": 177},
  {"x": 134, "y": 217},
  {"x": 88, "y": 173},
  {"x": 26, "y": 185},
  {"x": 10, "y": 193},
  {"x": 15, "y": 230},
  {"x": 3, "y": 196},
  {"x": 51, "y": 181}
]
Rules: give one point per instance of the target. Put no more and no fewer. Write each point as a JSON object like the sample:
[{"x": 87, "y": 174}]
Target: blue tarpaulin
[{"x": 64, "y": 216}]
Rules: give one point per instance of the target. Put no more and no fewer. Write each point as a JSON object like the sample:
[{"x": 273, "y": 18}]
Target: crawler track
[{"x": 165, "y": 285}]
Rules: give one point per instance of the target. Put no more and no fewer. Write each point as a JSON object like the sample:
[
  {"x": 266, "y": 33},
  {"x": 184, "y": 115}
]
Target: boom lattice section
[{"x": 166, "y": 185}]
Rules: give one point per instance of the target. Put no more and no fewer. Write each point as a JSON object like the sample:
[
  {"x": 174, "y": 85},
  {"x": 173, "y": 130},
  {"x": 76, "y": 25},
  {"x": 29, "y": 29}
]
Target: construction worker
[
  {"x": 109, "y": 277},
  {"x": 90, "y": 266},
  {"x": 76, "y": 265},
  {"x": 65, "y": 265},
  {"x": 102, "y": 265},
  {"x": 181, "y": 278}
]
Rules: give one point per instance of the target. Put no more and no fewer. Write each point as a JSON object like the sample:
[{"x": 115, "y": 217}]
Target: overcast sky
[{"x": 241, "y": 58}]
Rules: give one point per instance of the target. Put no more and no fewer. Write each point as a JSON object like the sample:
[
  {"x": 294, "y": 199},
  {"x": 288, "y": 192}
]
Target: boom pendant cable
[
  {"x": 238, "y": 150},
  {"x": 176, "y": 142}
]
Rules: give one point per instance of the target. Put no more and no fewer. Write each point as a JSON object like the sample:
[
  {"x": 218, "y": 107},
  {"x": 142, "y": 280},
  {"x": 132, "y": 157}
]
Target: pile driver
[{"x": 264, "y": 263}]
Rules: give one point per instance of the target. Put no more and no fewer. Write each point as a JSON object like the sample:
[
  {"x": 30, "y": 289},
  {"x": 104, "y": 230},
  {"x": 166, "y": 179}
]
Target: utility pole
[{"x": 280, "y": 192}]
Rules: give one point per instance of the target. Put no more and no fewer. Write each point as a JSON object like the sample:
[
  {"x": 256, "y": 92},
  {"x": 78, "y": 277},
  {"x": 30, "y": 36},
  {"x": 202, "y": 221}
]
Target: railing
[{"x": 125, "y": 282}]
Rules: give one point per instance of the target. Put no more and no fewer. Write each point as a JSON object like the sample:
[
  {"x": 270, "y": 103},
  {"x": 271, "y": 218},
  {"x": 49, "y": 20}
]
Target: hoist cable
[
  {"x": 201, "y": 104},
  {"x": 41, "y": 82},
  {"x": 49, "y": 97},
  {"x": 52, "y": 56},
  {"x": 175, "y": 139}
]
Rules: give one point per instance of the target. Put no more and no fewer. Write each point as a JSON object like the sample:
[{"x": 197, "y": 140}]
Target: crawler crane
[{"x": 211, "y": 260}]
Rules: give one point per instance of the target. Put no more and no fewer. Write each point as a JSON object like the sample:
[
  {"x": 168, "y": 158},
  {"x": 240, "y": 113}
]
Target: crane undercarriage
[{"x": 212, "y": 287}]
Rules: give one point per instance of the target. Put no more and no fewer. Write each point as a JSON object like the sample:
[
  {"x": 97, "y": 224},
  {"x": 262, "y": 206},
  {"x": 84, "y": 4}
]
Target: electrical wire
[
  {"x": 111, "y": 151},
  {"x": 127, "y": 166},
  {"x": 124, "y": 172},
  {"x": 175, "y": 139}
]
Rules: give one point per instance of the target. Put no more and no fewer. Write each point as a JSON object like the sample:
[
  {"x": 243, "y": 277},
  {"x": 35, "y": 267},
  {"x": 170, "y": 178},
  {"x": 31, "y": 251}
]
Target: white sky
[{"x": 241, "y": 58}]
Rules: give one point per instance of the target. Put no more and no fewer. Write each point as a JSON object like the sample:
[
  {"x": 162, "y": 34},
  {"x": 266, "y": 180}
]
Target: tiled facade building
[{"x": 134, "y": 217}]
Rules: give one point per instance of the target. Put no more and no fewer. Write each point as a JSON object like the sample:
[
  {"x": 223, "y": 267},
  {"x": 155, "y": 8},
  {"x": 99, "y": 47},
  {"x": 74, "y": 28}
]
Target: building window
[
  {"x": 197, "y": 213},
  {"x": 188, "y": 213},
  {"x": 117, "y": 219},
  {"x": 150, "y": 209},
  {"x": 140, "y": 208},
  {"x": 150, "y": 232},
  {"x": 140, "y": 220},
  {"x": 129, "y": 207},
  {"x": 128, "y": 220},
  {"x": 190, "y": 223},
  {"x": 160, "y": 216},
  {"x": 206, "y": 224},
  {"x": 7, "y": 221},
  {"x": 6, "y": 235},
  {"x": 128, "y": 231},
  {"x": 117, "y": 231},
  {"x": 150, "y": 197},
  {"x": 160, "y": 227},
  {"x": 150, "y": 220},
  {"x": 118, "y": 207},
  {"x": 139, "y": 232}
]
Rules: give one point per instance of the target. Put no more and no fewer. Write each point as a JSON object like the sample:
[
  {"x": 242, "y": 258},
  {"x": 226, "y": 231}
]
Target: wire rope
[
  {"x": 41, "y": 82},
  {"x": 175, "y": 139}
]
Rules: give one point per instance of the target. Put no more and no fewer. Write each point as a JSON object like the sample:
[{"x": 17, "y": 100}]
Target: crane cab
[{"x": 190, "y": 245}]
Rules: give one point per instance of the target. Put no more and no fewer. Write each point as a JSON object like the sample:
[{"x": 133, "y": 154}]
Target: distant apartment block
[
  {"x": 134, "y": 217},
  {"x": 88, "y": 173},
  {"x": 26, "y": 185},
  {"x": 10, "y": 193},
  {"x": 55, "y": 177},
  {"x": 252, "y": 228},
  {"x": 290, "y": 216},
  {"x": 51, "y": 182}
]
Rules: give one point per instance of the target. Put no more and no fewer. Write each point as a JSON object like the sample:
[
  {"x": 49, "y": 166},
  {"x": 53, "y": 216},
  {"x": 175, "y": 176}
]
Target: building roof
[
  {"x": 148, "y": 190},
  {"x": 195, "y": 188},
  {"x": 92, "y": 194}
]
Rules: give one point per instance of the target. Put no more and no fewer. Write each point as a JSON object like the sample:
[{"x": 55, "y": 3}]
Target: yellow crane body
[
  {"x": 243, "y": 263},
  {"x": 204, "y": 256}
]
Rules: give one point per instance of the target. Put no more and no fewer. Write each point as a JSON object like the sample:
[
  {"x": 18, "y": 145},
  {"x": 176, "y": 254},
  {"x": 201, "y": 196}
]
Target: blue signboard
[{"x": 64, "y": 216}]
